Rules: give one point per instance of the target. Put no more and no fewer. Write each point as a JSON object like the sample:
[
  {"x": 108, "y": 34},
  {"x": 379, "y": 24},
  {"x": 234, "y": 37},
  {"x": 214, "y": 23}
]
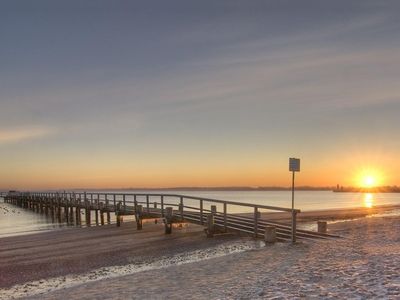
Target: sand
[{"x": 130, "y": 264}]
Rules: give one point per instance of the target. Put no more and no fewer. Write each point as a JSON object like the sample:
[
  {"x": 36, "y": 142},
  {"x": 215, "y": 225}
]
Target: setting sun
[
  {"x": 369, "y": 181},
  {"x": 369, "y": 178}
]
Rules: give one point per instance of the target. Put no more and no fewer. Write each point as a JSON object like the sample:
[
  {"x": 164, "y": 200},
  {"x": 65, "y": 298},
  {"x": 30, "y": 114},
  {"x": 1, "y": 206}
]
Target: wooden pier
[{"x": 218, "y": 216}]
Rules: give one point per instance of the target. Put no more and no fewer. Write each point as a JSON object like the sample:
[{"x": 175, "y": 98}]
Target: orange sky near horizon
[{"x": 89, "y": 173}]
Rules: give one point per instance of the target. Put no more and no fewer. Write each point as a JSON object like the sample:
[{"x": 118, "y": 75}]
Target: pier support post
[
  {"x": 270, "y": 234},
  {"x": 118, "y": 213},
  {"x": 66, "y": 212},
  {"x": 138, "y": 217},
  {"x": 108, "y": 217},
  {"x": 168, "y": 220},
  {"x": 181, "y": 210},
  {"x": 78, "y": 215},
  {"x": 71, "y": 214},
  {"x": 88, "y": 217},
  {"x": 96, "y": 215},
  {"x": 101, "y": 205}
]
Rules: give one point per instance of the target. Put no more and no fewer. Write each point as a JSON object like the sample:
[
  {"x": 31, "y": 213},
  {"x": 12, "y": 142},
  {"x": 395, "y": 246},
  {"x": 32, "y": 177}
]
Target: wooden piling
[
  {"x": 96, "y": 215},
  {"x": 168, "y": 220},
  {"x": 138, "y": 217},
  {"x": 108, "y": 217},
  {"x": 118, "y": 213}
]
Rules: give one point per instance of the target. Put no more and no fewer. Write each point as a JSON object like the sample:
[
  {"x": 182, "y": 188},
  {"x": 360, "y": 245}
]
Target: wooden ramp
[{"x": 218, "y": 216}]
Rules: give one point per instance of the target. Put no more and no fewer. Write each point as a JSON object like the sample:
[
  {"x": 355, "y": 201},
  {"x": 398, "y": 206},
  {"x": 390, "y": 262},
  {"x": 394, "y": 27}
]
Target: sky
[{"x": 112, "y": 94}]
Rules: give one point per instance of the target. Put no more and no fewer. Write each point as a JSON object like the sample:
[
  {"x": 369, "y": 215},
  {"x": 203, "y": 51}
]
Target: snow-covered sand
[{"x": 365, "y": 264}]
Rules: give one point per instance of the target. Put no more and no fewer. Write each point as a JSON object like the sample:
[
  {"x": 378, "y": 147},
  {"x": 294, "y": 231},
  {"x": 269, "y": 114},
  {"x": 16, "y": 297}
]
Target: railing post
[
  {"x": 255, "y": 221},
  {"x": 135, "y": 202},
  {"x": 162, "y": 205},
  {"x": 147, "y": 203},
  {"x": 123, "y": 200},
  {"x": 181, "y": 207},
  {"x": 225, "y": 218},
  {"x": 201, "y": 212},
  {"x": 294, "y": 213},
  {"x": 115, "y": 203}
]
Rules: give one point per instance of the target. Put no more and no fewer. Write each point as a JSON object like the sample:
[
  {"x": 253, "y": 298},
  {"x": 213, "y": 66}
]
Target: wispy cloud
[{"x": 15, "y": 135}]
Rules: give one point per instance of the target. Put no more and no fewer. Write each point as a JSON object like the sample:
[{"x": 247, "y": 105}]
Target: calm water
[{"x": 17, "y": 221}]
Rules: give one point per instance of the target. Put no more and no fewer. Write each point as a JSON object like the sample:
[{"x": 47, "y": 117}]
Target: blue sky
[{"x": 161, "y": 93}]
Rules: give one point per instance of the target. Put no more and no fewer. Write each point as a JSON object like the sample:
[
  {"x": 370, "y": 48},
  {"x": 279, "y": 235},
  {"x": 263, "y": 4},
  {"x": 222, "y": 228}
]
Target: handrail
[
  {"x": 115, "y": 201},
  {"x": 258, "y": 206}
]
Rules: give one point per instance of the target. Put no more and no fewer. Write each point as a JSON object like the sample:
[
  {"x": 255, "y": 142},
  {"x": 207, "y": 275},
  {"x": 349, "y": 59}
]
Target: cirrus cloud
[{"x": 15, "y": 135}]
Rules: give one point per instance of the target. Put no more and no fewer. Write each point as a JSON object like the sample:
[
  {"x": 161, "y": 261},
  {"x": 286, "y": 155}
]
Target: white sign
[{"x": 294, "y": 164}]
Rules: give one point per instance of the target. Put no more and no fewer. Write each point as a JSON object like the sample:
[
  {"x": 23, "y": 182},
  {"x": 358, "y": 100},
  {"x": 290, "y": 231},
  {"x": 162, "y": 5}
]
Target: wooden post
[
  {"x": 162, "y": 206},
  {"x": 210, "y": 226},
  {"x": 138, "y": 216},
  {"x": 118, "y": 213},
  {"x": 147, "y": 203},
  {"x": 322, "y": 226},
  {"x": 256, "y": 216},
  {"x": 155, "y": 206},
  {"x": 66, "y": 211},
  {"x": 270, "y": 234},
  {"x": 225, "y": 218},
  {"x": 168, "y": 220},
  {"x": 78, "y": 215},
  {"x": 88, "y": 217},
  {"x": 214, "y": 209},
  {"x": 96, "y": 215},
  {"x": 201, "y": 212},
  {"x": 108, "y": 217},
  {"x": 71, "y": 214},
  {"x": 181, "y": 208},
  {"x": 102, "y": 218}
]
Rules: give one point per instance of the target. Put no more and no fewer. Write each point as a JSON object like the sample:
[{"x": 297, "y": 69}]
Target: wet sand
[
  {"x": 363, "y": 265},
  {"x": 78, "y": 250}
]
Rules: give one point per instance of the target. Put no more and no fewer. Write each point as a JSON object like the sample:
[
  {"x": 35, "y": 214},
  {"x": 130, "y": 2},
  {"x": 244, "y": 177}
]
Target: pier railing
[{"x": 228, "y": 215}]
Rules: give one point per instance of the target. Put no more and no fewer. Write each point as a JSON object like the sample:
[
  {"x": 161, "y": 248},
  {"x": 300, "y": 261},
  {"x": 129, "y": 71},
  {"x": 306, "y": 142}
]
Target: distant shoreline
[
  {"x": 221, "y": 189},
  {"x": 381, "y": 189}
]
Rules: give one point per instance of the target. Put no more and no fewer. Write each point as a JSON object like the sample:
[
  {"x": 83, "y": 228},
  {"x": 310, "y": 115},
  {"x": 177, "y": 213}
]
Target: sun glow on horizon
[{"x": 369, "y": 178}]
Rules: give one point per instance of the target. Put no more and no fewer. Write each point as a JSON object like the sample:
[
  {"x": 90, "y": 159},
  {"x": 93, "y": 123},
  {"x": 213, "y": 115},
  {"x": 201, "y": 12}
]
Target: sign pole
[
  {"x": 293, "y": 212},
  {"x": 294, "y": 166},
  {"x": 293, "y": 190}
]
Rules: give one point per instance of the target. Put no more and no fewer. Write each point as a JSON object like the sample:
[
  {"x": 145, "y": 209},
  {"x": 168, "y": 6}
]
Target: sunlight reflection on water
[{"x": 368, "y": 200}]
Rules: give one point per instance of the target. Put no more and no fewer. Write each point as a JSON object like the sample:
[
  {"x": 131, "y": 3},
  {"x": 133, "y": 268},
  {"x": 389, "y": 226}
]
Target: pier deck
[{"x": 218, "y": 216}]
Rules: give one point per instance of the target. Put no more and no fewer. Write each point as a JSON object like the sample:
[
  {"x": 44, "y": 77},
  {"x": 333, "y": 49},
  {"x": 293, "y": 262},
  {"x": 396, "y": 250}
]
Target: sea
[{"x": 17, "y": 221}]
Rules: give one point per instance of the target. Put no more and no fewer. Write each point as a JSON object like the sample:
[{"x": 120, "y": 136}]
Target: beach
[{"x": 123, "y": 263}]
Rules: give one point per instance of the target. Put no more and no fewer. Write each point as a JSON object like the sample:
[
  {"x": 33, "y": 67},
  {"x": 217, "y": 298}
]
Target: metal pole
[
  {"x": 293, "y": 190},
  {"x": 293, "y": 213}
]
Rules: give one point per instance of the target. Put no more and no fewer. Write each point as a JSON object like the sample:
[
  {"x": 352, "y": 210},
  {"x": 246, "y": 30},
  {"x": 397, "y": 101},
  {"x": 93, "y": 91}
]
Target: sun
[
  {"x": 369, "y": 181},
  {"x": 369, "y": 178}
]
